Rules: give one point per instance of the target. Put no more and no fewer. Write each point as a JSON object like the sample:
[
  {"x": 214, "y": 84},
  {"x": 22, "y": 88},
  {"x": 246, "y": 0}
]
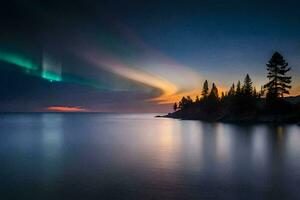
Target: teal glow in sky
[{"x": 18, "y": 60}]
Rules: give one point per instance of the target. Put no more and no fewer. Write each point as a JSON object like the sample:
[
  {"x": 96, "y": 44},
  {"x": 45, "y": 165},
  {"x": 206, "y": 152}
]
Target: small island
[{"x": 243, "y": 103}]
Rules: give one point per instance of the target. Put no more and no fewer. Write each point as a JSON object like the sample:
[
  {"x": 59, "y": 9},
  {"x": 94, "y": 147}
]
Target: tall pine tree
[
  {"x": 231, "y": 90},
  {"x": 175, "y": 106},
  {"x": 279, "y": 82},
  {"x": 247, "y": 87},
  {"x": 214, "y": 91},
  {"x": 238, "y": 88},
  {"x": 205, "y": 89}
]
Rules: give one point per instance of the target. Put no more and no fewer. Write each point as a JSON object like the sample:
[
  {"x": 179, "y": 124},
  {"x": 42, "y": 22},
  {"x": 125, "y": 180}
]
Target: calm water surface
[{"x": 112, "y": 156}]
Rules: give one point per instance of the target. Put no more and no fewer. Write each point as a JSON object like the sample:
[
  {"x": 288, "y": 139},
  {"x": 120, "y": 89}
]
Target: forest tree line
[{"x": 242, "y": 97}]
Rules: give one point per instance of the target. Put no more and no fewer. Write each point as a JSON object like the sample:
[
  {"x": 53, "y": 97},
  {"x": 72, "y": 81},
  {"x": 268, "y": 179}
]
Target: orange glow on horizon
[
  {"x": 168, "y": 99},
  {"x": 66, "y": 109},
  {"x": 295, "y": 91}
]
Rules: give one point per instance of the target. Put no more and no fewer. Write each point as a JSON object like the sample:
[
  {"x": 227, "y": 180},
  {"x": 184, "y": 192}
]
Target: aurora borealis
[{"x": 133, "y": 56}]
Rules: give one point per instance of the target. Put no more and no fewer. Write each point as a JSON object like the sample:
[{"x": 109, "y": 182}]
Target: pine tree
[
  {"x": 205, "y": 89},
  {"x": 255, "y": 93},
  {"x": 279, "y": 82},
  {"x": 189, "y": 99},
  {"x": 231, "y": 91},
  {"x": 214, "y": 91},
  {"x": 175, "y": 106},
  {"x": 238, "y": 88},
  {"x": 182, "y": 103},
  {"x": 212, "y": 102},
  {"x": 262, "y": 92},
  {"x": 185, "y": 102},
  {"x": 247, "y": 87},
  {"x": 222, "y": 95},
  {"x": 197, "y": 100}
]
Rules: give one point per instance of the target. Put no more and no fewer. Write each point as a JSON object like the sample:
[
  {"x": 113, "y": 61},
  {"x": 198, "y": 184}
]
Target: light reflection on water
[
  {"x": 118, "y": 156},
  {"x": 52, "y": 141},
  {"x": 52, "y": 135},
  {"x": 168, "y": 145},
  {"x": 223, "y": 143},
  {"x": 259, "y": 142}
]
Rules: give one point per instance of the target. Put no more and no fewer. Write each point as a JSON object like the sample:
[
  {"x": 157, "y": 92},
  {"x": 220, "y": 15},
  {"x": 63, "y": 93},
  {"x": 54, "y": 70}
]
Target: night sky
[{"x": 137, "y": 56}]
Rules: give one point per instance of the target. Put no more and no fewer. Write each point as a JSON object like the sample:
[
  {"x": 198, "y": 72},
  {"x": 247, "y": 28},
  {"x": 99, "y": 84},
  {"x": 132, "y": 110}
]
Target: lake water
[{"x": 137, "y": 156}]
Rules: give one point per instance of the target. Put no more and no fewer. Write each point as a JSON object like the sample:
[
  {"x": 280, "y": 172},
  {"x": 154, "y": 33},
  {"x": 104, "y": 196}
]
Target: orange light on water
[{"x": 66, "y": 109}]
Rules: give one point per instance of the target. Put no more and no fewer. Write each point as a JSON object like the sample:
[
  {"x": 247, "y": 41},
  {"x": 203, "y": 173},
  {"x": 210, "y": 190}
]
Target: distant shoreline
[
  {"x": 234, "y": 122},
  {"x": 261, "y": 119}
]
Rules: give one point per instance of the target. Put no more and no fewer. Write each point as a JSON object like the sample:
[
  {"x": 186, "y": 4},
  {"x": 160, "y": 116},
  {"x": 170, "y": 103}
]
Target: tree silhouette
[
  {"x": 205, "y": 89},
  {"x": 247, "y": 87},
  {"x": 185, "y": 102},
  {"x": 254, "y": 93},
  {"x": 182, "y": 103},
  {"x": 243, "y": 102},
  {"x": 279, "y": 82},
  {"x": 197, "y": 100},
  {"x": 222, "y": 95},
  {"x": 175, "y": 106},
  {"x": 262, "y": 92},
  {"x": 238, "y": 88},
  {"x": 214, "y": 91},
  {"x": 231, "y": 91},
  {"x": 189, "y": 99}
]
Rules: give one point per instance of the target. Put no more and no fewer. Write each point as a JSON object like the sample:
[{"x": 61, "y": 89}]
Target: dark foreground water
[{"x": 110, "y": 156}]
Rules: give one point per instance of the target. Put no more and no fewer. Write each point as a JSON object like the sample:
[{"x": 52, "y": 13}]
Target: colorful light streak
[
  {"x": 113, "y": 65},
  {"x": 151, "y": 68},
  {"x": 171, "y": 91},
  {"x": 51, "y": 68},
  {"x": 160, "y": 64},
  {"x": 51, "y": 76},
  {"x": 66, "y": 109},
  {"x": 18, "y": 60}
]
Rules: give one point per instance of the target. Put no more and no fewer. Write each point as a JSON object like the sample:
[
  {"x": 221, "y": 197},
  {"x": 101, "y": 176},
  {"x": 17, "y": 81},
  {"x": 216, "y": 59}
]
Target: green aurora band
[
  {"x": 34, "y": 69},
  {"x": 18, "y": 60}
]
